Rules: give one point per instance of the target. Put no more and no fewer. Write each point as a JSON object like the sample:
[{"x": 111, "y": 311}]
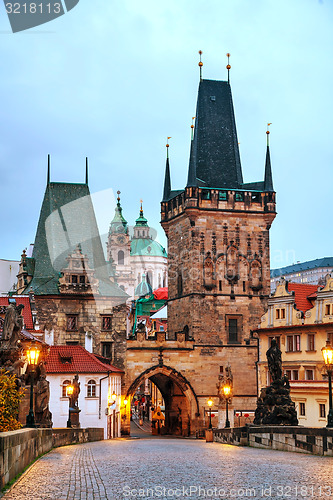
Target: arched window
[
  {"x": 64, "y": 386},
  {"x": 121, "y": 256},
  {"x": 150, "y": 278},
  {"x": 91, "y": 389}
]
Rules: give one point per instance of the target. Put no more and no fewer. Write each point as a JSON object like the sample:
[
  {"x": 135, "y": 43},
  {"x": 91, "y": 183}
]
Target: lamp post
[
  {"x": 69, "y": 393},
  {"x": 32, "y": 355},
  {"x": 210, "y": 404},
  {"x": 226, "y": 391},
  {"x": 327, "y": 353}
]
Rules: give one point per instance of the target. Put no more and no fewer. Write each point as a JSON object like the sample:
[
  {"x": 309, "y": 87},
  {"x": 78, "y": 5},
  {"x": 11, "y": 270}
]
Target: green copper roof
[
  {"x": 147, "y": 246},
  {"x": 141, "y": 220},
  {"x": 143, "y": 288},
  {"x": 118, "y": 223},
  {"x": 67, "y": 218}
]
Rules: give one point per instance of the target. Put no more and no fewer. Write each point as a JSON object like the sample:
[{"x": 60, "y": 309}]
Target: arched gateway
[{"x": 181, "y": 403}]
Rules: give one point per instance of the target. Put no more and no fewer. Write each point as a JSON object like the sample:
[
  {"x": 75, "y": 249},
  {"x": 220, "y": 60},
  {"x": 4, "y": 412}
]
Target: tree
[{"x": 10, "y": 398}]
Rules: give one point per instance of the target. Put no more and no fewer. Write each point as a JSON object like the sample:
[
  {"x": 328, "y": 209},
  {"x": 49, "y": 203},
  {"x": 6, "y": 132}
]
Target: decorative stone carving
[
  {"x": 78, "y": 277},
  {"x": 255, "y": 275},
  {"x": 232, "y": 274},
  {"x": 12, "y": 325}
]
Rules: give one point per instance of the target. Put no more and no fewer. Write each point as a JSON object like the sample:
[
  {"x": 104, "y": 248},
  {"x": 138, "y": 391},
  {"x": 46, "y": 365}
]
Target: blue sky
[{"x": 112, "y": 79}]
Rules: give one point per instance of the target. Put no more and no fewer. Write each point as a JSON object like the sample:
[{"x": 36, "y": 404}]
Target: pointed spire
[
  {"x": 200, "y": 64},
  {"x": 141, "y": 209},
  {"x": 167, "y": 179},
  {"x": 268, "y": 182},
  {"x": 87, "y": 170},
  {"x": 192, "y": 171},
  {"x": 228, "y": 67},
  {"x": 118, "y": 223},
  {"x": 48, "y": 168}
]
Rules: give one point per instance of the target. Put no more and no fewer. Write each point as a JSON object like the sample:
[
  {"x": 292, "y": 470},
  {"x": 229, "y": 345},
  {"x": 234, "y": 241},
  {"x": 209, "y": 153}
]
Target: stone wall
[
  {"x": 19, "y": 448},
  {"x": 310, "y": 440}
]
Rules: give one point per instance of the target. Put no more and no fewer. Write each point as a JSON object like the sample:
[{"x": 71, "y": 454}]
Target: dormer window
[{"x": 74, "y": 279}]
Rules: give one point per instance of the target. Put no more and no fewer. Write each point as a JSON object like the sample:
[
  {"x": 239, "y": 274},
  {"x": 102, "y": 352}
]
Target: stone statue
[
  {"x": 274, "y": 361},
  {"x": 76, "y": 391},
  {"x": 13, "y": 324},
  {"x": 42, "y": 412}
]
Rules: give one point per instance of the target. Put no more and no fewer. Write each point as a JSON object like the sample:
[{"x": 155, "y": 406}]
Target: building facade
[
  {"x": 218, "y": 272},
  {"x": 312, "y": 272},
  {"x": 300, "y": 317}
]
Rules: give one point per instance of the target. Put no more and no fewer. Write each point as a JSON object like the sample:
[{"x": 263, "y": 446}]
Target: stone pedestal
[
  {"x": 222, "y": 416},
  {"x": 209, "y": 436},
  {"x": 74, "y": 415}
]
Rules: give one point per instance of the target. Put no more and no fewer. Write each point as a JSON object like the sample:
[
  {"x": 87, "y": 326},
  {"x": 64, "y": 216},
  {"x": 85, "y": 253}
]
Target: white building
[
  {"x": 100, "y": 389},
  {"x": 137, "y": 256}
]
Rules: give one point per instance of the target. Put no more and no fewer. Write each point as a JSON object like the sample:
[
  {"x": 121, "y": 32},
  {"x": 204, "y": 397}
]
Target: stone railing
[
  {"x": 19, "y": 448},
  {"x": 315, "y": 441}
]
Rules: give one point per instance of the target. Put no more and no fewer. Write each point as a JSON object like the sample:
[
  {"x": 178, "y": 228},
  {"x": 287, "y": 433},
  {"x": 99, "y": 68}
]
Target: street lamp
[
  {"x": 69, "y": 393},
  {"x": 114, "y": 396},
  {"x": 327, "y": 352},
  {"x": 32, "y": 355},
  {"x": 210, "y": 404},
  {"x": 226, "y": 391}
]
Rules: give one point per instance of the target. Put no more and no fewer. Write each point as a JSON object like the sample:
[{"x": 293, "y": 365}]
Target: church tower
[{"x": 218, "y": 247}]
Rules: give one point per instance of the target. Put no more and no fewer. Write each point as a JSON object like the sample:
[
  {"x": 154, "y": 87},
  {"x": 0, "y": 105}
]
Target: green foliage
[{"x": 10, "y": 399}]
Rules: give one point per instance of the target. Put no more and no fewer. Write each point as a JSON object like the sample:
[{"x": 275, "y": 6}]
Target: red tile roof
[
  {"x": 302, "y": 293},
  {"x": 26, "y": 313},
  {"x": 75, "y": 359}
]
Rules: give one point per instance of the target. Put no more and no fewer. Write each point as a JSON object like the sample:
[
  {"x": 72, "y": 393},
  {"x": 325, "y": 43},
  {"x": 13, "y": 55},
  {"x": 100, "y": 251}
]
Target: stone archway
[{"x": 181, "y": 403}]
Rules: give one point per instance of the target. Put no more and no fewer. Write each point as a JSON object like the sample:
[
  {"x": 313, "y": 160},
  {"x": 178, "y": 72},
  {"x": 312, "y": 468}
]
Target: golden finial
[
  {"x": 141, "y": 209},
  {"x": 228, "y": 66},
  {"x": 192, "y": 127},
  {"x": 167, "y": 146},
  {"x": 268, "y": 132},
  {"x": 118, "y": 199},
  {"x": 200, "y": 65}
]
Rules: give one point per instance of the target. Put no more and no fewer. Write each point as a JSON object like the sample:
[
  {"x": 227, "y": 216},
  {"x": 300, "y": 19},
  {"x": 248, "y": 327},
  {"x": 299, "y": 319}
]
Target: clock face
[{"x": 121, "y": 240}]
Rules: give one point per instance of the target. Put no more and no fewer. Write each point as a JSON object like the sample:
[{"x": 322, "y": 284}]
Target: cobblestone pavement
[{"x": 170, "y": 468}]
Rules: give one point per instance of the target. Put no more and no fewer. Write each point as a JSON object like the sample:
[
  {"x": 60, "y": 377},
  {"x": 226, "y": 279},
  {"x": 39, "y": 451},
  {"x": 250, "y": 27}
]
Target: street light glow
[
  {"x": 33, "y": 355},
  {"x": 327, "y": 352}
]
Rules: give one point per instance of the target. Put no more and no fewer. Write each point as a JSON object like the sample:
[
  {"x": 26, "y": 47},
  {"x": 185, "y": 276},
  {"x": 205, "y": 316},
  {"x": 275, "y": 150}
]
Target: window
[
  {"x": 71, "y": 322},
  {"x": 161, "y": 328},
  {"x": 180, "y": 284},
  {"x": 91, "y": 389},
  {"x": 82, "y": 279},
  {"x": 293, "y": 343},
  {"x": 322, "y": 410},
  {"x": 64, "y": 386},
  {"x": 280, "y": 313},
  {"x": 309, "y": 375},
  {"x": 220, "y": 286},
  {"x": 107, "y": 350},
  {"x": 205, "y": 194},
  {"x": 239, "y": 197},
  {"x": 291, "y": 374},
  {"x": 74, "y": 279},
  {"x": 311, "y": 342},
  {"x": 244, "y": 289},
  {"x": 328, "y": 308},
  {"x": 233, "y": 334},
  {"x": 302, "y": 409},
  {"x": 150, "y": 278},
  {"x": 277, "y": 341},
  {"x": 223, "y": 196},
  {"x": 106, "y": 323},
  {"x": 121, "y": 256}
]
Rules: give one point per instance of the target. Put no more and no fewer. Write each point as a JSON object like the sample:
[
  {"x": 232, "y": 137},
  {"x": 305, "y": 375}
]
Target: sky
[{"x": 111, "y": 79}]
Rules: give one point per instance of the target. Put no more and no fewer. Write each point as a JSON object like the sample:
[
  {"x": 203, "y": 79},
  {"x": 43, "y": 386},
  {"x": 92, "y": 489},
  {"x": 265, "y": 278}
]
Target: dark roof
[
  {"x": 67, "y": 218},
  {"x": 302, "y": 266},
  {"x": 268, "y": 182},
  {"x": 214, "y": 153},
  {"x": 167, "y": 182}
]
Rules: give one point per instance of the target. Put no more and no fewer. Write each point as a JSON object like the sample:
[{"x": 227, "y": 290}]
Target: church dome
[
  {"x": 147, "y": 247},
  {"x": 143, "y": 288}
]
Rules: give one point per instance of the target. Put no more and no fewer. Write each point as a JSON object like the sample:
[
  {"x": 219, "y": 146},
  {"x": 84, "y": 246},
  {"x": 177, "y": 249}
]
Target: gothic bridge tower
[{"x": 218, "y": 250}]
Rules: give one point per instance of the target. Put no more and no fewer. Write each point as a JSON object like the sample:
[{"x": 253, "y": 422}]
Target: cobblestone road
[{"x": 168, "y": 468}]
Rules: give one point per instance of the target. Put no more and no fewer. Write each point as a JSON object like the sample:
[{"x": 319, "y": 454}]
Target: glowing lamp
[
  {"x": 210, "y": 402},
  {"x": 327, "y": 353},
  {"x": 33, "y": 355}
]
